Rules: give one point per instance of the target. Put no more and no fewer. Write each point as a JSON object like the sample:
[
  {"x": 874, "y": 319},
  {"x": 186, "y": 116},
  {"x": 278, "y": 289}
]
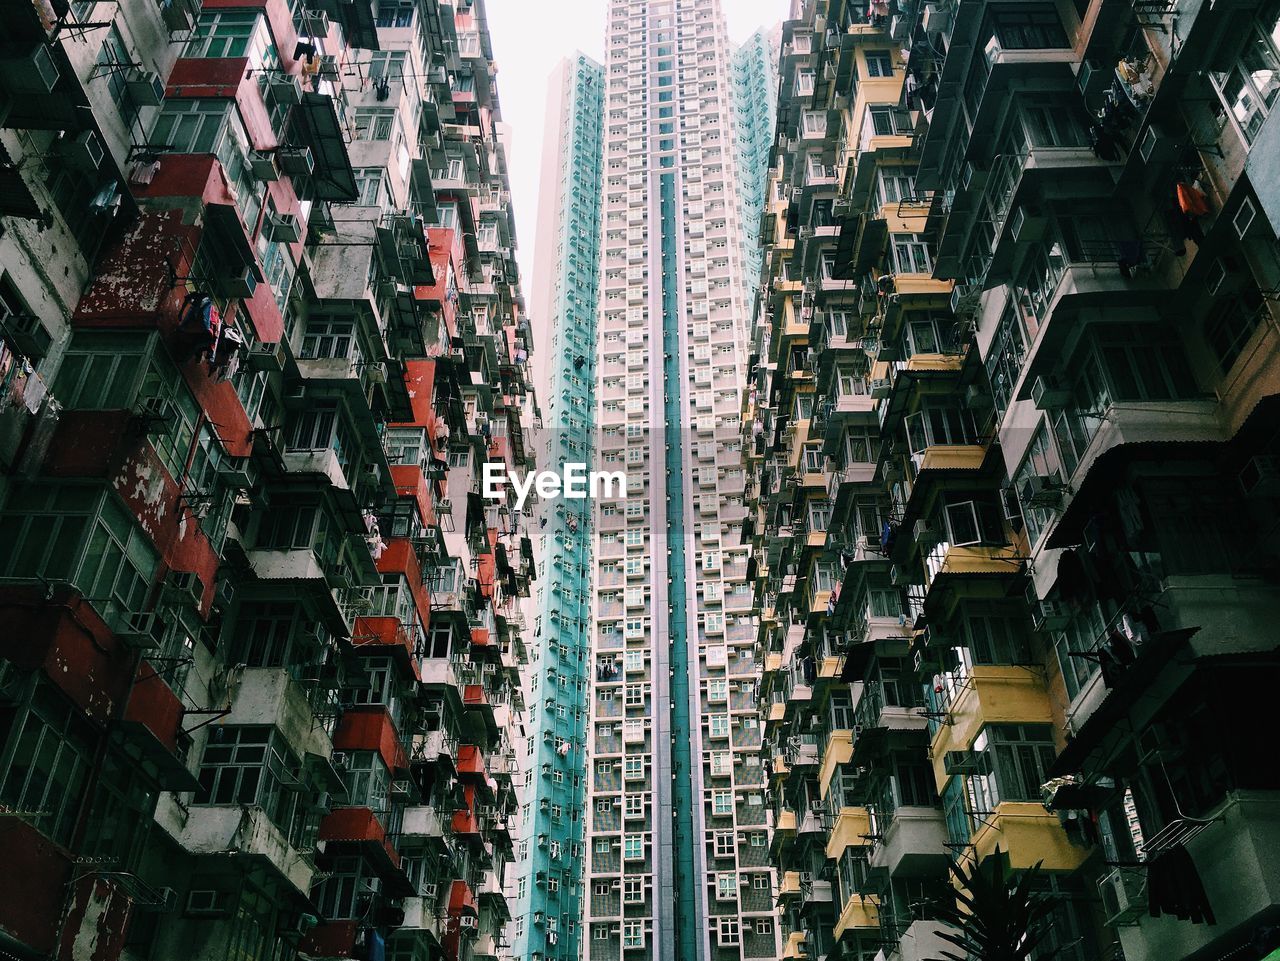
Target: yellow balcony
[
  {"x": 993, "y": 694},
  {"x": 789, "y": 886},
  {"x": 852, "y": 826},
  {"x": 921, "y": 285},
  {"x": 1027, "y": 833},
  {"x": 980, "y": 560},
  {"x": 935, "y": 362},
  {"x": 859, "y": 914},
  {"x": 777, "y": 710},
  {"x": 818, "y": 599},
  {"x": 953, "y": 457},
  {"x": 829, "y": 666},
  {"x": 796, "y": 947},
  {"x": 838, "y": 751}
]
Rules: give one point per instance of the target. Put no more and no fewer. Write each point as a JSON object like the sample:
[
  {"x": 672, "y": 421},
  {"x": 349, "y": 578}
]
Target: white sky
[{"x": 529, "y": 38}]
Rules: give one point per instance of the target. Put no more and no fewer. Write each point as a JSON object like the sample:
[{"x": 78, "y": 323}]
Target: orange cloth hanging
[{"x": 1192, "y": 201}]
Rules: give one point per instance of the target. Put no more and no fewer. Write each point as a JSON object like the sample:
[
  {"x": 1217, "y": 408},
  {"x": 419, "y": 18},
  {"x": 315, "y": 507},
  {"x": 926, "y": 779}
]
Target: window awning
[
  {"x": 860, "y": 243},
  {"x": 316, "y": 126}
]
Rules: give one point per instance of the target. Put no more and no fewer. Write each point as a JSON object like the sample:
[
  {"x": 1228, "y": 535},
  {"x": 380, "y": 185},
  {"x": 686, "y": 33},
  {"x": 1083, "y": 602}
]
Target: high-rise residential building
[
  {"x": 754, "y": 67},
  {"x": 547, "y": 907},
  {"x": 1014, "y": 470},
  {"x": 676, "y": 855},
  {"x": 260, "y": 328}
]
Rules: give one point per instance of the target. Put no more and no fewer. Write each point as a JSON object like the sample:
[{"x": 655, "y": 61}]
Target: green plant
[{"x": 997, "y": 915}]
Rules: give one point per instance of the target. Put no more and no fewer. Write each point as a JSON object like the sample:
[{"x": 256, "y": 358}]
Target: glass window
[
  {"x": 249, "y": 766},
  {"x": 222, "y": 33}
]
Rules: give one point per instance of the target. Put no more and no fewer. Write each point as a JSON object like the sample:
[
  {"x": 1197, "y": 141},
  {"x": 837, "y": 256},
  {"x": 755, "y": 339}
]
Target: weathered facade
[
  {"x": 261, "y": 327},
  {"x": 1013, "y": 436}
]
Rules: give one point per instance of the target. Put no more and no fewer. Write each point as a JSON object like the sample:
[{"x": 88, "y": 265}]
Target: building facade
[
  {"x": 1012, "y": 472},
  {"x": 548, "y": 899},
  {"x": 262, "y": 326},
  {"x": 754, "y": 66},
  {"x": 676, "y": 862}
]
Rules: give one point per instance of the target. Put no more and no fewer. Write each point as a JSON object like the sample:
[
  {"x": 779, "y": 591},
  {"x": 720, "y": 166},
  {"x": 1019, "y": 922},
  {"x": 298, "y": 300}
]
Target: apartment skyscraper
[
  {"x": 755, "y": 88},
  {"x": 548, "y": 904},
  {"x": 677, "y": 829}
]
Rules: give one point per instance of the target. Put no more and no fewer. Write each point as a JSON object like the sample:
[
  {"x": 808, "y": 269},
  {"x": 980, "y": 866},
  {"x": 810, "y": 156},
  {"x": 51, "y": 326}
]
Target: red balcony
[
  {"x": 64, "y": 636},
  {"x": 386, "y": 635},
  {"x": 358, "y": 830},
  {"x": 471, "y": 764},
  {"x": 370, "y": 728},
  {"x": 35, "y": 911},
  {"x": 152, "y": 723},
  {"x": 445, "y": 250},
  {"x": 337, "y": 939},
  {"x": 462, "y": 902}
]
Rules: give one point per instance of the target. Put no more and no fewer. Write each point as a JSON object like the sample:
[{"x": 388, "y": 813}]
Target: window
[
  {"x": 726, "y": 886},
  {"x": 249, "y": 766},
  {"x": 50, "y": 756},
  {"x": 1029, "y": 28},
  {"x": 633, "y": 847},
  {"x": 1229, "y": 325},
  {"x": 1041, "y": 461},
  {"x": 191, "y": 125},
  {"x": 375, "y": 123},
  {"x": 815, "y": 123},
  {"x": 1248, "y": 89},
  {"x": 101, "y": 371},
  {"x": 896, "y": 185},
  {"x": 221, "y": 33},
  {"x": 633, "y": 890},
  {"x": 718, "y": 725},
  {"x": 911, "y": 255},
  {"x": 879, "y": 63},
  {"x": 1020, "y": 756},
  {"x": 633, "y": 934},
  {"x": 974, "y": 522},
  {"x": 721, "y": 803},
  {"x": 1004, "y": 359},
  {"x": 78, "y": 534}
]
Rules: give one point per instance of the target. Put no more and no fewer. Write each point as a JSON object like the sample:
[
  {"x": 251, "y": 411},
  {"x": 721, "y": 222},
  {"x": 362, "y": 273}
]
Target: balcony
[
  {"x": 914, "y": 842},
  {"x": 246, "y": 833},
  {"x": 1235, "y": 858},
  {"x": 851, "y": 828},
  {"x": 1027, "y": 834},
  {"x": 990, "y": 694},
  {"x": 860, "y": 915},
  {"x": 273, "y": 697}
]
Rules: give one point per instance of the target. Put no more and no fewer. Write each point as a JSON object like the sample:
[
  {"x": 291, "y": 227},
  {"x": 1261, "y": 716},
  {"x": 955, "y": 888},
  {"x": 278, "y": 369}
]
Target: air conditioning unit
[
  {"x": 145, "y": 87},
  {"x": 1260, "y": 477},
  {"x": 895, "y": 574},
  {"x": 338, "y": 759},
  {"x": 377, "y": 373},
  {"x": 551, "y": 937},
  {"x": 27, "y": 334},
  {"x": 444, "y": 507},
  {"x": 1093, "y": 79},
  {"x": 263, "y": 165},
  {"x": 296, "y": 161},
  {"x": 208, "y": 903},
  {"x": 35, "y": 72},
  {"x": 1124, "y": 896},
  {"x": 329, "y": 69},
  {"x": 925, "y": 664},
  {"x": 238, "y": 473},
  {"x": 1040, "y": 490},
  {"x": 469, "y": 922},
  {"x": 1027, "y": 224},
  {"x": 266, "y": 357},
  {"x": 239, "y": 286},
  {"x": 965, "y": 762},
  {"x": 185, "y": 584},
  {"x": 284, "y": 229},
  {"x": 962, "y": 297},
  {"x": 1050, "y": 616},
  {"x": 139, "y": 630},
  {"x": 1048, "y": 394},
  {"x": 157, "y": 416},
  {"x": 340, "y": 574},
  {"x": 83, "y": 151},
  {"x": 924, "y": 532},
  {"x": 317, "y": 23},
  {"x": 373, "y": 885},
  {"x": 880, "y": 387},
  {"x": 429, "y": 892},
  {"x": 286, "y": 89}
]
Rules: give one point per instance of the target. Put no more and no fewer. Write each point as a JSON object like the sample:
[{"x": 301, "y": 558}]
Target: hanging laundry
[{"x": 1192, "y": 200}]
